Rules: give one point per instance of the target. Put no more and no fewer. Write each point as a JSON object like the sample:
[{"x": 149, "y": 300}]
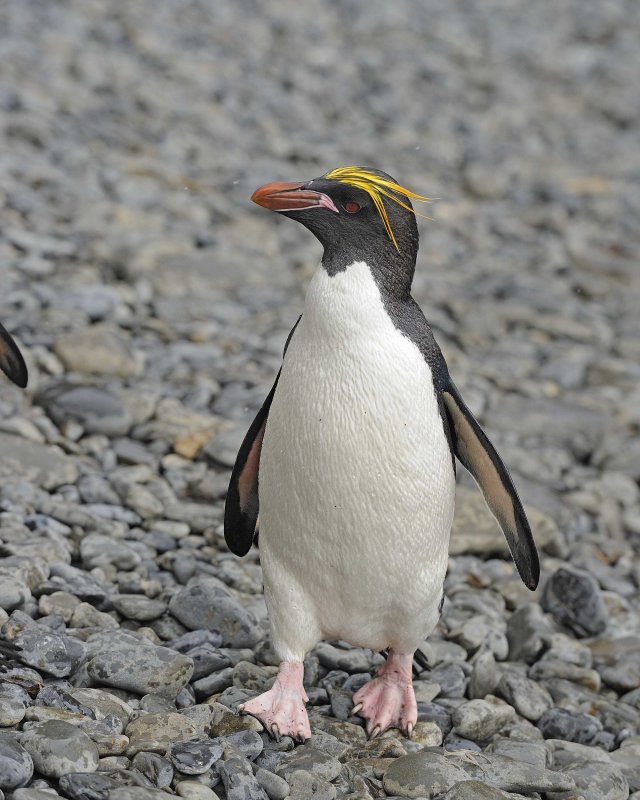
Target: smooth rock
[
  {"x": 87, "y": 786},
  {"x": 560, "y": 723},
  {"x": 572, "y": 596},
  {"x": 424, "y": 774},
  {"x": 479, "y": 720},
  {"x": 194, "y": 758},
  {"x": 127, "y": 663},
  {"x": 207, "y": 603},
  {"x": 154, "y": 767},
  {"x": 528, "y": 698},
  {"x": 156, "y": 732},
  {"x": 16, "y": 765},
  {"x": 58, "y": 748}
]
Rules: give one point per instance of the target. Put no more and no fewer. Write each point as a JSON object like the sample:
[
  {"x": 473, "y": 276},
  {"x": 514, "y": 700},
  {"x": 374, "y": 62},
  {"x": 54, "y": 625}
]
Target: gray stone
[
  {"x": 529, "y": 632},
  {"x": 310, "y": 759},
  {"x": 53, "y": 653},
  {"x": 12, "y": 711},
  {"x": 138, "y": 607},
  {"x": 96, "y": 410},
  {"x": 155, "y": 768},
  {"x": 352, "y": 660},
  {"x": 474, "y": 790},
  {"x": 194, "y": 758},
  {"x": 248, "y": 742},
  {"x": 424, "y": 774},
  {"x": 16, "y": 765},
  {"x": 97, "y": 350},
  {"x": 560, "y": 723},
  {"x": 136, "y": 793},
  {"x": 207, "y": 603},
  {"x": 529, "y": 752},
  {"x": 307, "y": 786},
  {"x": 627, "y": 759},
  {"x": 87, "y": 786},
  {"x": 47, "y": 467},
  {"x": 239, "y": 781},
  {"x": 126, "y": 662},
  {"x": 573, "y": 597},
  {"x": 596, "y": 781},
  {"x": 13, "y": 593},
  {"x": 156, "y": 732},
  {"x": 479, "y": 720},
  {"x": 528, "y": 698},
  {"x": 275, "y": 786},
  {"x": 513, "y": 776},
  {"x": 97, "y": 550},
  {"x": 194, "y": 790},
  {"x": 58, "y": 748}
]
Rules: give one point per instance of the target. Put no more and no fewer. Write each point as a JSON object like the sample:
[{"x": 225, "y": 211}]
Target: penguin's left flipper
[
  {"x": 11, "y": 360},
  {"x": 473, "y": 448},
  {"x": 242, "y": 505}
]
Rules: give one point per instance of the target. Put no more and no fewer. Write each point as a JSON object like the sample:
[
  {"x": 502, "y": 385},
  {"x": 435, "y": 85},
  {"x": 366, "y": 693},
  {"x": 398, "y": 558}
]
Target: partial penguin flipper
[
  {"x": 479, "y": 456},
  {"x": 242, "y": 504},
  {"x": 11, "y": 360}
]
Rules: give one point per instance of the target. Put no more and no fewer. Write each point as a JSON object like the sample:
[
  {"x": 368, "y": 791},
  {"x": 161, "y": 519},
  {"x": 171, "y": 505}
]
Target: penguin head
[{"x": 357, "y": 213}]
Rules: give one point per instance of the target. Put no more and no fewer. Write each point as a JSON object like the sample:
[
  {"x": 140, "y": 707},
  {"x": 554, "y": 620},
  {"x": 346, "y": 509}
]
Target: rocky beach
[{"x": 152, "y": 302}]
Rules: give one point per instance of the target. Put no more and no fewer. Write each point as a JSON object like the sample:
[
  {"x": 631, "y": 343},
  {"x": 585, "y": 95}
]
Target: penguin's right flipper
[
  {"x": 242, "y": 505},
  {"x": 472, "y": 446},
  {"x": 11, "y": 360}
]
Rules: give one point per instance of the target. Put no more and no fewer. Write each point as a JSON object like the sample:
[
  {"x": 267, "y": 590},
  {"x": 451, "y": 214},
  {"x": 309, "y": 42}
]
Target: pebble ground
[{"x": 152, "y": 301}]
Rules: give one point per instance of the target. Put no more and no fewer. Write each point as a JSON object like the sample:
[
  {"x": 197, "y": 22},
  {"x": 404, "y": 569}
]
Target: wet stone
[
  {"x": 239, "y": 781},
  {"x": 156, "y": 732},
  {"x": 58, "y": 748},
  {"x": 155, "y": 768},
  {"x": 195, "y": 758},
  {"x": 128, "y": 663},
  {"x": 53, "y": 653},
  {"x": 248, "y": 742},
  {"x": 81, "y": 786},
  {"x": 310, "y": 759}
]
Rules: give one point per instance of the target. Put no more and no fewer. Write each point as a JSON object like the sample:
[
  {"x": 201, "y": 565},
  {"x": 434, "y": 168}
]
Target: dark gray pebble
[
  {"x": 559, "y": 723},
  {"x": 573, "y": 597},
  {"x": 194, "y": 758}
]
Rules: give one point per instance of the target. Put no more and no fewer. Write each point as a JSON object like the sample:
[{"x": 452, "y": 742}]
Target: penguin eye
[{"x": 351, "y": 207}]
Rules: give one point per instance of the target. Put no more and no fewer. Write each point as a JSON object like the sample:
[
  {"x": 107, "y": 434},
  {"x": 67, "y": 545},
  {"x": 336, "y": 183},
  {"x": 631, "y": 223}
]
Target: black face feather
[{"x": 373, "y": 221}]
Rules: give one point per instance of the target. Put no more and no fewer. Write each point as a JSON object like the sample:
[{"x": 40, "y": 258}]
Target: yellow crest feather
[{"x": 378, "y": 187}]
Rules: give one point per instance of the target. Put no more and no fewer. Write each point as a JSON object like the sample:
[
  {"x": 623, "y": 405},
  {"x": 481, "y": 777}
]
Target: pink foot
[
  {"x": 388, "y": 701},
  {"x": 281, "y": 710}
]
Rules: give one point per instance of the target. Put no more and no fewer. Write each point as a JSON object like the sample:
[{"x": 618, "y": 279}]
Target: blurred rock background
[{"x": 152, "y": 302}]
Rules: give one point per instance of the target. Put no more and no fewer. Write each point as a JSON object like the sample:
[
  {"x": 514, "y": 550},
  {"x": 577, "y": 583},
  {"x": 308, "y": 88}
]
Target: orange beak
[{"x": 281, "y": 196}]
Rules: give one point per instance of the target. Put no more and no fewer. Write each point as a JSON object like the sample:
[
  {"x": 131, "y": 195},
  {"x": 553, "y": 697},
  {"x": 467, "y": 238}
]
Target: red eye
[{"x": 351, "y": 207}]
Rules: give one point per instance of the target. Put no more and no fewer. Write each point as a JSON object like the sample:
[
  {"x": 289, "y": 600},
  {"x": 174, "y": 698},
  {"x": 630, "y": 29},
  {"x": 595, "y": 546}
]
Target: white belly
[{"x": 356, "y": 478}]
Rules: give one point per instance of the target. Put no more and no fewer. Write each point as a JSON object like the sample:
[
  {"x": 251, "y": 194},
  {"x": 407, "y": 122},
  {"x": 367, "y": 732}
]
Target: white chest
[{"x": 355, "y": 472}]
